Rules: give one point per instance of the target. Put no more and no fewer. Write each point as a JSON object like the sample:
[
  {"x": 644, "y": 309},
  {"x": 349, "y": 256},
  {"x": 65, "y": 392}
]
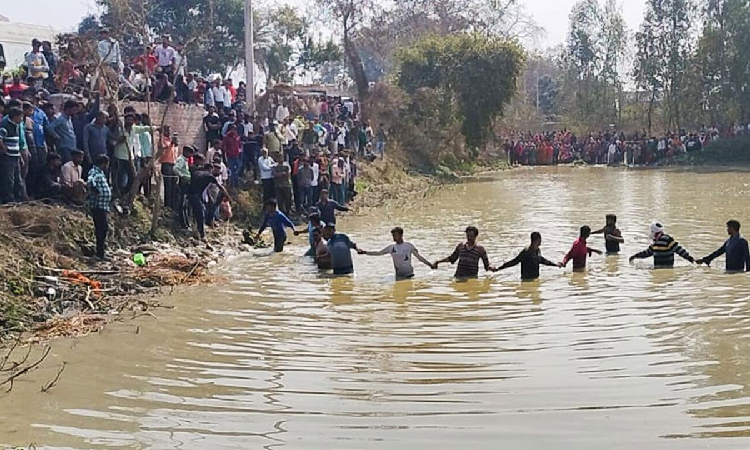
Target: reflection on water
[{"x": 619, "y": 357}]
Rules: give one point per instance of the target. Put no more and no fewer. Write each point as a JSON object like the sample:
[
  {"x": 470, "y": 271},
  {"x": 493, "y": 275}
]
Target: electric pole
[{"x": 249, "y": 58}]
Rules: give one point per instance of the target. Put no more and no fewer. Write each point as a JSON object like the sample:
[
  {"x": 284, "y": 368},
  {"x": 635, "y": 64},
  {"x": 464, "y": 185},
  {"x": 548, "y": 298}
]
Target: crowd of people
[
  {"x": 333, "y": 251},
  {"x": 299, "y": 150},
  {"x": 302, "y": 151},
  {"x": 564, "y": 147}
]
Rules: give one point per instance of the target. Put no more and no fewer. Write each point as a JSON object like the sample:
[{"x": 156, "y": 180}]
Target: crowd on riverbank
[
  {"x": 565, "y": 147},
  {"x": 78, "y": 153}
]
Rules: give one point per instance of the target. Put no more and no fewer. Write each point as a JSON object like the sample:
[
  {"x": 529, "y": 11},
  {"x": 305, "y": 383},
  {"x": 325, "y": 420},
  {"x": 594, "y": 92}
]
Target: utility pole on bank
[{"x": 249, "y": 57}]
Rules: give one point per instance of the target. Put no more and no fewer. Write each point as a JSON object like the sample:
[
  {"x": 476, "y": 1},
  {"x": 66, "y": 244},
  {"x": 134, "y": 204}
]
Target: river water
[{"x": 279, "y": 357}]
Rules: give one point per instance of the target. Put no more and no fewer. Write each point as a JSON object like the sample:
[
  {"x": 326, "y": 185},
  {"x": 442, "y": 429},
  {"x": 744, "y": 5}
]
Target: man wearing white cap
[{"x": 663, "y": 249}]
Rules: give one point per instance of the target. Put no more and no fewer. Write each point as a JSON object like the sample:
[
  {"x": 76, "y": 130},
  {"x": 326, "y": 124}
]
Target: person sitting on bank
[
  {"x": 73, "y": 185},
  {"x": 663, "y": 249},
  {"x": 468, "y": 255},
  {"x": 736, "y": 249},
  {"x": 530, "y": 258},
  {"x": 50, "y": 182},
  {"x": 580, "y": 251},
  {"x": 278, "y": 222},
  {"x": 401, "y": 252}
]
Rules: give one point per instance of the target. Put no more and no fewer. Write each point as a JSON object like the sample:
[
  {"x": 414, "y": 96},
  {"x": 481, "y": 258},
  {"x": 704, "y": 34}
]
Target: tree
[
  {"x": 664, "y": 55},
  {"x": 592, "y": 62},
  {"x": 474, "y": 72},
  {"x": 647, "y": 70},
  {"x": 352, "y": 16}
]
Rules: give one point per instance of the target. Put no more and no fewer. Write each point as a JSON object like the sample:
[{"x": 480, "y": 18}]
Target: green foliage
[
  {"x": 730, "y": 150},
  {"x": 664, "y": 53},
  {"x": 591, "y": 62},
  {"x": 213, "y": 33},
  {"x": 315, "y": 55},
  {"x": 473, "y": 77}
]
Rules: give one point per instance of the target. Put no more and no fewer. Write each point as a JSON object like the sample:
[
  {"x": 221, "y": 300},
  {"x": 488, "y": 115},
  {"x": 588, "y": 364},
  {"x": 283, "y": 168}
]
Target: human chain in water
[{"x": 332, "y": 250}]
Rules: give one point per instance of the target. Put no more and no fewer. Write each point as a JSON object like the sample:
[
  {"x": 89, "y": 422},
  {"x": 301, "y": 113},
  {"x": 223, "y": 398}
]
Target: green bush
[{"x": 729, "y": 150}]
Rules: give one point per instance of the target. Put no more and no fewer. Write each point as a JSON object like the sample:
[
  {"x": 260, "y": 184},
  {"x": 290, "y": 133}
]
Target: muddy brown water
[{"x": 621, "y": 357}]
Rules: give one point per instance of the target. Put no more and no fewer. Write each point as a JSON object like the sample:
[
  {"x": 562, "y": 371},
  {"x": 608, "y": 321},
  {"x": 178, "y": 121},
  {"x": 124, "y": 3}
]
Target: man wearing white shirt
[
  {"x": 109, "y": 50},
  {"x": 290, "y": 131},
  {"x": 340, "y": 137},
  {"x": 228, "y": 100},
  {"x": 165, "y": 56},
  {"x": 611, "y": 153},
  {"x": 316, "y": 176},
  {"x": 266, "y": 165},
  {"x": 282, "y": 113},
  {"x": 401, "y": 252},
  {"x": 180, "y": 60}
]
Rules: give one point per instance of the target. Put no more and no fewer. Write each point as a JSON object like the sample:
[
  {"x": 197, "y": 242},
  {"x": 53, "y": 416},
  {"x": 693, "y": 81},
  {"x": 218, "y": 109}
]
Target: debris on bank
[{"x": 52, "y": 286}]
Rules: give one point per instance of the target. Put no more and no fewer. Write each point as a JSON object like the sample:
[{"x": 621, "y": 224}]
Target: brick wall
[{"x": 185, "y": 120}]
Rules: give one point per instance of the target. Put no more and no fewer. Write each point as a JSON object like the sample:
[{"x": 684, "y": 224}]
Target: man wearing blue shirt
[
  {"x": 277, "y": 221},
  {"x": 340, "y": 248},
  {"x": 329, "y": 207},
  {"x": 735, "y": 248},
  {"x": 62, "y": 130}
]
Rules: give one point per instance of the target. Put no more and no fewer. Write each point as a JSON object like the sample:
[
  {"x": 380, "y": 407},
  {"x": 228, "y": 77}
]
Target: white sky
[{"x": 64, "y": 15}]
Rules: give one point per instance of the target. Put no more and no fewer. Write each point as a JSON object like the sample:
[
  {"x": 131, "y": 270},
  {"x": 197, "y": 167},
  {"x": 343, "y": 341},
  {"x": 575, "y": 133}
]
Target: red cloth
[
  {"x": 15, "y": 91},
  {"x": 232, "y": 145},
  {"x": 578, "y": 253},
  {"x": 144, "y": 61}
]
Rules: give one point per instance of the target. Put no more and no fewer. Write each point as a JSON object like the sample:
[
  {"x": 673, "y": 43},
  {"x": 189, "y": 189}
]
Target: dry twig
[
  {"x": 25, "y": 370},
  {"x": 49, "y": 386}
]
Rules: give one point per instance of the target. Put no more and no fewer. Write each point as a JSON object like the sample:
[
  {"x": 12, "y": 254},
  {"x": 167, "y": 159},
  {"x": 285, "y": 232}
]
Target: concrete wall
[
  {"x": 185, "y": 120},
  {"x": 16, "y": 39}
]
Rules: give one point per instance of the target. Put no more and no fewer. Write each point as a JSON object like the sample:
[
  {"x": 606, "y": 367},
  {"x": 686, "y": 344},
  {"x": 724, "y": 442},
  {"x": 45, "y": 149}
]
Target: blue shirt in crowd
[
  {"x": 62, "y": 128},
  {"x": 41, "y": 122}
]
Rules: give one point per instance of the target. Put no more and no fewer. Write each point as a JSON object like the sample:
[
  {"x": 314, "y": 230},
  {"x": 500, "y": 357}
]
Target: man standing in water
[
  {"x": 329, "y": 207},
  {"x": 339, "y": 247},
  {"x": 530, "y": 258},
  {"x": 612, "y": 236},
  {"x": 580, "y": 251},
  {"x": 321, "y": 254},
  {"x": 468, "y": 255},
  {"x": 401, "y": 253},
  {"x": 278, "y": 222},
  {"x": 663, "y": 249},
  {"x": 736, "y": 249}
]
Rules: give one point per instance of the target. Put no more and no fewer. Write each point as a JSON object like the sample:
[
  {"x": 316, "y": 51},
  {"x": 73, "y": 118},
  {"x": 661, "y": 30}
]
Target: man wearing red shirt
[
  {"x": 233, "y": 150},
  {"x": 15, "y": 91},
  {"x": 147, "y": 60},
  {"x": 580, "y": 251}
]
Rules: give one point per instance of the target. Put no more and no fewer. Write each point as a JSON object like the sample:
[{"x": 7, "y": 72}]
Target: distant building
[{"x": 16, "y": 39}]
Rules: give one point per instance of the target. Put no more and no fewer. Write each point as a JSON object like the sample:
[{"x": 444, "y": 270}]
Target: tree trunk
[
  {"x": 156, "y": 211},
  {"x": 358, "y": 70},
  {"x": 651, "y": 110}
]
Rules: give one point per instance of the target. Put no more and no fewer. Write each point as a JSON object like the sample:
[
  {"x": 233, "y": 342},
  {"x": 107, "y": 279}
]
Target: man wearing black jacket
[{"x": 736, "y": 249}]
